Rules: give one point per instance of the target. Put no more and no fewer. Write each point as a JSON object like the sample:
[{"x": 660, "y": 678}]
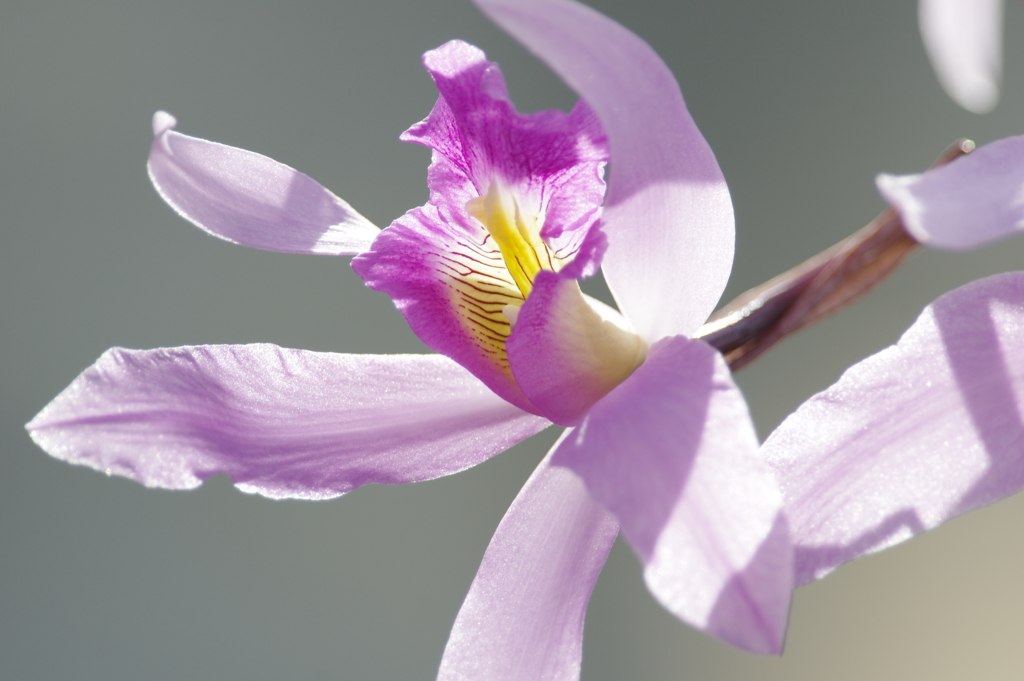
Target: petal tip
[
  {"x": 980, "y": 98},
  {"x": 162, "y": 122}
]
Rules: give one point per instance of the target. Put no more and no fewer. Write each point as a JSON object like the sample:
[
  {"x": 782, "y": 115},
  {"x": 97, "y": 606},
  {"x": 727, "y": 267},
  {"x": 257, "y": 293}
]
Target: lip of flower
[
  {"x": 497, "y": 270},
  {"x": 665, "y": 449}
]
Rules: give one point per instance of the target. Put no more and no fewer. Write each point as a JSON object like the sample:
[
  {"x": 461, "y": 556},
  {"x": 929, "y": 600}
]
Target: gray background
[{"x": 802, "y": 101}]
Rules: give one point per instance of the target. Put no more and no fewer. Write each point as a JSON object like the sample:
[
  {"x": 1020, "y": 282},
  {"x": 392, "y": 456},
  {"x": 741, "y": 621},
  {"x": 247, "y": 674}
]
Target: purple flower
[
  {"x": 660, "y": 440},
  {"x": 932, "y": 426},
  {"x": 963, "y": 39}
]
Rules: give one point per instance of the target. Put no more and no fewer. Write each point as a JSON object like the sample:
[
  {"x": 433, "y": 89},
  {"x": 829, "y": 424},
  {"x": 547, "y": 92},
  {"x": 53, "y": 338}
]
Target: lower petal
[
  {"x": 523, "y": 617},
  {"x": 281, "y": 423},
  {"x": 923, "y": 431},
  {"x": 673, "y": 454}
]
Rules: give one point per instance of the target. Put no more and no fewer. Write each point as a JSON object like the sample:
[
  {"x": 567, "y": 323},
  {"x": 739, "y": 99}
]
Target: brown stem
[{"x": 761, "y": 317}]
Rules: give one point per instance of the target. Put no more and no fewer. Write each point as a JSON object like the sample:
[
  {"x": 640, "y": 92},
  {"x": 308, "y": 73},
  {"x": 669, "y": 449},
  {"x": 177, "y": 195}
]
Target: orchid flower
[
  {"x": 963, "y": 39},
  {"x": 659, "y": 441},
  {"x": 930, "y": 427}
]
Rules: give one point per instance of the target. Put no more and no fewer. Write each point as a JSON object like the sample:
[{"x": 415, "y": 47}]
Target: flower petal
[
  {"x": 925, "y": 430},
  {"x": 449, "y": 282},
  {"x": 281, "y": 423},
  {"x": 564, "y": 355},
  {"x": 668, "y": 214},
  {"x": 523, "y": 617},
  {"x": 673, "y": 454},
  {"x": 963, "y": 39},
  {"x": 551, "y": 161},
  {"x": 972, "y": 201},
  {"x": 249, "y": 199}
]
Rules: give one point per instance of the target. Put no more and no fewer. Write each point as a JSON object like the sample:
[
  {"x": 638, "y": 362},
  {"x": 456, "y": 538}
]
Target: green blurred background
[{"x": 803, "y": 102}]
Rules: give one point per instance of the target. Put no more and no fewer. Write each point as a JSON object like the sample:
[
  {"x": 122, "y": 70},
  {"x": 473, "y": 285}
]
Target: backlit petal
[
  {"x": 673, "y": 454},
  {"x": 972, "y": 201},
  {"x": 249, "y": 199},
  {"x": 668, "y": 214},
  {"x": 523, "y": 617},
  {"x": 282, "y": 423},
  {"x": 963, "y": 39},
  {"x": 925, "y": 430}
]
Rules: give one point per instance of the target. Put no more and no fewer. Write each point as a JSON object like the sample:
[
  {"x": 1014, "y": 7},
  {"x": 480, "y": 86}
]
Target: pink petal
[
  {"x": 449, "y": 282},
  {"x": 673, "y": 454},
  {"x": 523, "y": 617},
  {"x": 963, "y": 39},
  {"x": 976, "y": 199},
  {"x": 564, "y": 355},
  {"x": 668, "y": 214},
  {"x": 249, "y": 199},
  {"x": 925, "y": 430},
  {"x": 281, "y": 423}
]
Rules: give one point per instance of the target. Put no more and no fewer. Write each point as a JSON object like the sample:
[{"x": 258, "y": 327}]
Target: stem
[{"x": 764, "y": 315}]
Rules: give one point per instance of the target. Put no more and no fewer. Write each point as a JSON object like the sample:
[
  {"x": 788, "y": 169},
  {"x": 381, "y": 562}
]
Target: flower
[
  {"x": 963, "y": 39},
  {"x": 665, "y": 449},
  {"x": 930, "y": 427}
]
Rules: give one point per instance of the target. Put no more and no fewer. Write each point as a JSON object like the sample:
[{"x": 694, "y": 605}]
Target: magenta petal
[
  {"x": 249, "y": 199},
  {"x": 282, "y": 423},
  {"x": 963, "y": 39},
  {"x": 925, "y": 430},
  {"x": 673, "y": 454},
  {"x": 550, "y": 161},
  {"x": 970, "y": 202},
  {"x": 451, "y": 287},
  {"x": 668, "y": 214},
  {"x": 523, "y": 617}
]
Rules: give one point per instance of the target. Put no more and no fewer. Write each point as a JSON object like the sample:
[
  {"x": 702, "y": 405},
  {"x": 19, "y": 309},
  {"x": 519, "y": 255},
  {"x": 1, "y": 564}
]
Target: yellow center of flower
[{"x": 517, "y": 235}]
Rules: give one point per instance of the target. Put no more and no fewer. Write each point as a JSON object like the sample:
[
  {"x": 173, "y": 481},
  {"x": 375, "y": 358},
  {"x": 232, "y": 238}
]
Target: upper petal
[
  {"x": 673, "y": 454},
  {"x": 523, "y": 617},
  {"x": 249, "y": 199},
  {"x": 972, "y": 201},
  {"x": 963, "y": 39},
  {"x": 925, "y": 430},
  {"x": 282, "y": 423},
  {"x": 552, "y": 162},
  {"x": 668, "y": 214}
]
